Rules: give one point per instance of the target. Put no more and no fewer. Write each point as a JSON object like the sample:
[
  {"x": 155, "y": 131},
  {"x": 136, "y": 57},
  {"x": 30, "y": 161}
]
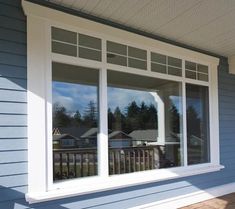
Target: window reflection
[
  {"x": 144, "y": 121},
  {"x": 75, "y": 121},
  {"x": 197, "y": 124}
]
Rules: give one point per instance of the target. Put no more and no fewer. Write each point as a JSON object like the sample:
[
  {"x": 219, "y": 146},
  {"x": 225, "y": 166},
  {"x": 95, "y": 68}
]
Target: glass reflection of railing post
[{"x": 75, "y": 163}]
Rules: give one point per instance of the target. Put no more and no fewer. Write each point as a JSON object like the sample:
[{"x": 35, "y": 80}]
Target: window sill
[{"x": 97, "y": 184}]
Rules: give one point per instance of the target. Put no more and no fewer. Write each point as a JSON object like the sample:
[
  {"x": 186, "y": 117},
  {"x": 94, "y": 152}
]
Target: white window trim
[{"x": 40, "y": 176}]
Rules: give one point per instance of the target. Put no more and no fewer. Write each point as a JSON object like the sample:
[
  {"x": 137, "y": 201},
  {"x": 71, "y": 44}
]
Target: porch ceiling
[{"x": 204, "y": 24}]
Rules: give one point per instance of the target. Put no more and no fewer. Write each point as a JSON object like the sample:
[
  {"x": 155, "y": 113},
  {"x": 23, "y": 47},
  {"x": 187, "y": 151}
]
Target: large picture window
[{"x": 109, "y": 109}]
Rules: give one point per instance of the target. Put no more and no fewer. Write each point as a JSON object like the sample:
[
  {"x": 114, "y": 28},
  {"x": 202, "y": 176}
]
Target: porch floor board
[{"x": 223, "y": 202}]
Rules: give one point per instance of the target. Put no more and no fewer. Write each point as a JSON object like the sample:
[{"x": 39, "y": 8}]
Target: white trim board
[{"x": 189, "y": 199}]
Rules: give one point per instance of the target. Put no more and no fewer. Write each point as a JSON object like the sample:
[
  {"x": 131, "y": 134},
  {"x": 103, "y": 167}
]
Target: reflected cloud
[
  {"x": 121, "y": 97},
  {"x": 73, "y": 96}
]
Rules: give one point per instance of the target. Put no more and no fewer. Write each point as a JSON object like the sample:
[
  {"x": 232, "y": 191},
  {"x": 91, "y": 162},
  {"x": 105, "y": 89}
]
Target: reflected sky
[
  {"x": 76, "y": 97},
  {"x": 73, "y": 96}
]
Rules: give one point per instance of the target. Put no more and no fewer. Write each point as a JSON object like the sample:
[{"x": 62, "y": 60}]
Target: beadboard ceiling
[{"x": 205, "y": 24}]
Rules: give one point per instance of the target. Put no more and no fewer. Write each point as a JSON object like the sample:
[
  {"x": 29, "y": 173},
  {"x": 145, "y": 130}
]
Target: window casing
[{"x": 39, "y": 95}]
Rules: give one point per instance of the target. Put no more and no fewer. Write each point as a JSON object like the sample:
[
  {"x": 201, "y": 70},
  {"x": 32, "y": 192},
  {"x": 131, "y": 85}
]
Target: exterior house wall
[{"x": 13, "y": 134}]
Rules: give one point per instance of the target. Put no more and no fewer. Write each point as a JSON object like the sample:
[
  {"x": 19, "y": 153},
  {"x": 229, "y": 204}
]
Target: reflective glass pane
[
  {"x": 75, "y": 121},
  {"x": 202, "y": 77},
  {"x": 160, "y": 58},
  {"x": 158, "y": 68},
  {"x": 89, "y": 41},
  {"x": 202, "y": 68},
  {"x": 116, "y": 59},
  {"x": 64, "y": 35},
  {"x": 190, "y": 65},
  {"x": 89, "y": 54},
  {"x": 144, "y": 123},
  {"x": 197, "y": 124},
  {"x": 116, "y": 48},
  {"x": 175, "y": 62},
  {"x": 190, "y": 74},
  {"x": 65, "y": 49},
  {"x": 137, "y": 53},
  {"x": 137, "y": 63},
  {"x": 174, "y": 71}
]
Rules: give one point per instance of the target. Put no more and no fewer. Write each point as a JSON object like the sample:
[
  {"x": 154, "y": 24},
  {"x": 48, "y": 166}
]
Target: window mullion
[{"x": 103, "y": 133}]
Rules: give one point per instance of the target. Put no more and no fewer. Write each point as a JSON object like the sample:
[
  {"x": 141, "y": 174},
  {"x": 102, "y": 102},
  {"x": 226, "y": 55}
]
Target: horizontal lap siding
[
  {"x": 13, "y": 134},
  {"x": 13, "y": 104}
]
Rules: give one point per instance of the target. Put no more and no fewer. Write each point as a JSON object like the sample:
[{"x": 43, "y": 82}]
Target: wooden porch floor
[{"x": 224, "y": 202}]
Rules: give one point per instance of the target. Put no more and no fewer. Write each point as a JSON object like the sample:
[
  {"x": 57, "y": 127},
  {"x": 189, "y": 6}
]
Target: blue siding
[
  {"x": 13, "y": 104},
  {"x": 13, "y": 133}
]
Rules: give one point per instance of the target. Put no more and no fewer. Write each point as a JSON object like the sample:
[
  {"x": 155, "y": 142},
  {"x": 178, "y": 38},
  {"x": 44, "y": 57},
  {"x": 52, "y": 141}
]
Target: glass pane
[
  {"x": 116, "y": 48},
  {"x": 144, "y": 122},
  {"x": 137, "y": 53},
  {"x": 64, "y": 35},
  {"x": 202, "y": 77},
  {"x": 190, "y": 65},
  {"x": 116, "y": 59},
  {"x": 89, "y": 41},
  {"x": 75, "y": 121},
  {"x": 190, "y": 74},
  {"x": 137, "y": 63},
  {"x": 89, "y": 54},
  {"x": 174, "y": 71},
  {"x": 174, "y": 62},
  {"x": 65, "y": 49},
  {"x": 158, "y": 68},
  {"x": 197, "y": 124},
  {"x": 160, "y": 58},
  {"x": 202, "y": 68}
]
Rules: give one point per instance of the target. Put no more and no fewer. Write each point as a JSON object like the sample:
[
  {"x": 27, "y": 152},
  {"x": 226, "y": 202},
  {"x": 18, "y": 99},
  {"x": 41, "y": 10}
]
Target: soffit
[{"x": 207, "y": 25}]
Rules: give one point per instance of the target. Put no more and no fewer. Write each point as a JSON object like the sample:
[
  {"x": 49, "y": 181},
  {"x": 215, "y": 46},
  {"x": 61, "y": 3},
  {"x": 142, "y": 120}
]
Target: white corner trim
[
  {"x": 189, "y": 199},
  {"x": 231, "y": 62}
]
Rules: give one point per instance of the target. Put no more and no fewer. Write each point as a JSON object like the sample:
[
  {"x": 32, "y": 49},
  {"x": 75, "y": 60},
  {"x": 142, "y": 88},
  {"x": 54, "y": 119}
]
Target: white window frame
[{"x": 39, "y": 65}]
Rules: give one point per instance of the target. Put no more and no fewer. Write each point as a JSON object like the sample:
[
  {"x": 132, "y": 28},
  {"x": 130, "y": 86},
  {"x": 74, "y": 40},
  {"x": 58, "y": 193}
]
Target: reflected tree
[
  {"x": 193, "y": 122},
  {"x": 60, "y": 116},
  {"x": 90, "y": 115}
]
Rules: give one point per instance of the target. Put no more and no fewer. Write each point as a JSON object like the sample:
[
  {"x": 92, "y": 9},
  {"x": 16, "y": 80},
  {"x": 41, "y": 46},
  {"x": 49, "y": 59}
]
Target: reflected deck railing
[{"x": 81, "y": 162}]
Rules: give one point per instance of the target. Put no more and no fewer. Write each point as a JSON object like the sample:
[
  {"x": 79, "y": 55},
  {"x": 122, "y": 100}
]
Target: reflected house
[
  {"x": 118, "y": 139},
  {"x": 64, "y": 141},
  {"x": 89, "y": 138},
  {"x": 62, "y": 137},
  {"x": 143, "y": 137},
  {"x": 168, "y": 148}
]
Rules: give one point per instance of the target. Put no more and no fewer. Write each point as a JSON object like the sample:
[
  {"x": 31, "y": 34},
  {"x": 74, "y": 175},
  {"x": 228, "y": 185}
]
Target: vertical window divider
[
  {"x": 185, "y": 150},
  {"x": 103, "y": 168},
  {"x": 102, "y": 151}
]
